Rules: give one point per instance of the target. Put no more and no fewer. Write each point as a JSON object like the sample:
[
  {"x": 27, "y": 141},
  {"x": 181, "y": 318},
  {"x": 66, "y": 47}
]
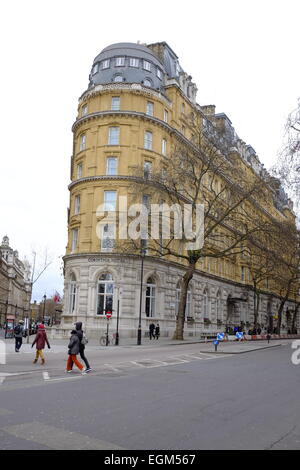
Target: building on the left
[{"x": 15, "y": 284}]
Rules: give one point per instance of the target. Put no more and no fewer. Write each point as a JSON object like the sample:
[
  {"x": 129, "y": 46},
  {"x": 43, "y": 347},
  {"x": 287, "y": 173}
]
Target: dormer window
[
  {"x": 105, "y": 64},
  {"x": 147, "y": 82},
  {"x": 146, "y": 65},
  {"x": 95, "y": 69},
  {"x": 120, "y": 61},
  {"x": 133, "y": 62},
  {"x": 159, "y": 73},
  {"x": 118, "y": 78}
]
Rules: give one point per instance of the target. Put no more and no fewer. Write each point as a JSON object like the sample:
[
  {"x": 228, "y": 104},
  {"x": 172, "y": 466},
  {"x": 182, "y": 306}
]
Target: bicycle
[{"x": 111, "y": 339}]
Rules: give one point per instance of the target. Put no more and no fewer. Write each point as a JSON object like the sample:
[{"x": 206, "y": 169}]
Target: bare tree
[
  {"x": 262, "y": 265},
  {"x": 44, "y": 263},
  {"x": 287, "y": 167},
  {"x": 288, "y": 273},
  {"x": 230, "y": 202}
]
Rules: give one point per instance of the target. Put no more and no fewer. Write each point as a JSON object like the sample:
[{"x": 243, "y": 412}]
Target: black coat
[
  {"x": 74, "y": 345},
  {"x": 79, "y": 333}
]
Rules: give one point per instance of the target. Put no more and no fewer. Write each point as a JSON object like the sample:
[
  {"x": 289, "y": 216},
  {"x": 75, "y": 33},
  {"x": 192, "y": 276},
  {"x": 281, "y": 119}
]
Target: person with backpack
[
  {"x": 18, "y": 332},
  {"x": 40, "y": 340},
  {"x": 82, "y": 343},
  {"x": 74, "y": 347}
]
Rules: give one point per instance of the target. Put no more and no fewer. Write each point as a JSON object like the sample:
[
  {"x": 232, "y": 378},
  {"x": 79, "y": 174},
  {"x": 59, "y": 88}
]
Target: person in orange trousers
[{"x": 73, "y": 351}]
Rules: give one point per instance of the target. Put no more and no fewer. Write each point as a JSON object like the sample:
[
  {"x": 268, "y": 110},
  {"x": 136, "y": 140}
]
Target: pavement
[{"x": 98, "y": 355}]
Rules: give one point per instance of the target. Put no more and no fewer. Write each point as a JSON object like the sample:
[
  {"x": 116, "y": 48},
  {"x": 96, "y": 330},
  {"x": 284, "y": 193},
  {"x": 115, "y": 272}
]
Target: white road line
[
  {"x": 151, "y": 365},
  {"x": 179, "y": 358},
  {"x": 9, "y": 374},
  {"x": 175, "y": 360},
  {"x": 46, "y": 377},
  {"x": 65, "y": 378},
  {"x": 192, "y": 357},
  {"x": 111, "y": 367}
]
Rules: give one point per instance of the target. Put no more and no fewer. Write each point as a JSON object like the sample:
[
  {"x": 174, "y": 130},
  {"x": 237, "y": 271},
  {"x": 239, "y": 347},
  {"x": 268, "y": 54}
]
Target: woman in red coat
[{"x": 40, "y": 340}]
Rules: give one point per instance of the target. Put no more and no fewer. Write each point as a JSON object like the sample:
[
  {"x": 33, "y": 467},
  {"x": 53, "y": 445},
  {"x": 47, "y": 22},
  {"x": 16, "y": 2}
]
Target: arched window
[
  {"x": 72, "y": 294},
  {"x": 150, "y": 297},
  {"x": 188, "y": 307},
  {"x": 218, "y": 306},
  {"x": 147, "y": 82},
  {"x": 105, "y": 294},
  {"x": 205, "y": 304}
]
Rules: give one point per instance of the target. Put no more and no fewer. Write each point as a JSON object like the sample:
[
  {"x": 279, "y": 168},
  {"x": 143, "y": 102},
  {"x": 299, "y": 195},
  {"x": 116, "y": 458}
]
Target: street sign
[
  {"x": 216, "y": 342},
  {"x": 108, "y": 315},
  {"x": 220, "y": 336},
  {"x": 239, "y": 334}
]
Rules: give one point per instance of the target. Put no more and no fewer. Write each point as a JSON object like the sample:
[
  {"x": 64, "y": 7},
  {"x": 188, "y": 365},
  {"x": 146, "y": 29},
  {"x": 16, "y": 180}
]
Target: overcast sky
[{"x": 243, "y": 56}]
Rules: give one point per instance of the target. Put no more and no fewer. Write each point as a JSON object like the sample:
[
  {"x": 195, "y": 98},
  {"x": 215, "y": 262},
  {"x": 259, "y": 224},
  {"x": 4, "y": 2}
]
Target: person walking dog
[
  {"x": 73, "y": 351},
  {"x": 40, "y": 341},
  {"x": 82, "y": 342}
]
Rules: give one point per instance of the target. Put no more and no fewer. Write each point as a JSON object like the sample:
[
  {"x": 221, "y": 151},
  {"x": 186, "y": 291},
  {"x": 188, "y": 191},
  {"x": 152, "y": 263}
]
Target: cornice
[
  {"x": 121, "y": 113},
  {"x": 135, "y": 179},
  {"x": 133, "y": 87}
]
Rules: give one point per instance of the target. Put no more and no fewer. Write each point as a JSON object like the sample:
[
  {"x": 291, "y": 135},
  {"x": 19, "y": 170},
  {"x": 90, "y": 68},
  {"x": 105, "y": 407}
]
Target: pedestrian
[
  {"x": 73, "y": 351},
  {"x": 151, "y": 331},
  {"x": 82, "y": 342},
  {"x": 40, "y": 340},
  {"x": 268, "y": 337},
  {"x": 19, "y": 331},
  {"x": 157, "y": 331}
]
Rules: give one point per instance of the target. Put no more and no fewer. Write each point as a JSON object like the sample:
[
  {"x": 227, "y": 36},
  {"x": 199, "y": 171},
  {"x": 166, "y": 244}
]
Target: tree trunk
[
  {"x": 256, "y": 304},
  {"x": 280, "y": 310},
  {"x": 178, "y": 333},
  {"x": 281, "y": 307},
  {"x": 295, "y": 317}
]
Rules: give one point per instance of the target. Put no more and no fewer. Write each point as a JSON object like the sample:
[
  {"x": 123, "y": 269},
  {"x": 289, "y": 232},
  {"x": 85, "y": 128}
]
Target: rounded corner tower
[
  {"x": 127, "y": 63},
  {"x": 138, "y": 106},
  {"x": 125, "y": 121}
]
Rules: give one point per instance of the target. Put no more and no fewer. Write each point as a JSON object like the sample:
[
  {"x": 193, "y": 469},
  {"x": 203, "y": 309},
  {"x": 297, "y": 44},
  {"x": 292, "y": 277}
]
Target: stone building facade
[
  {"x": 15, "y": 284},
  {"x": 132, "y": 114}
]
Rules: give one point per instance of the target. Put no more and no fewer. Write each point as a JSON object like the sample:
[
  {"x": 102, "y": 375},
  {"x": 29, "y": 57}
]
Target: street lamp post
[
  {"x": 118, "y": 312},
  {"x": 6, "y": 312},
  {"x": 44, "y": 297},
  {"x": 139, "y": 335}
]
